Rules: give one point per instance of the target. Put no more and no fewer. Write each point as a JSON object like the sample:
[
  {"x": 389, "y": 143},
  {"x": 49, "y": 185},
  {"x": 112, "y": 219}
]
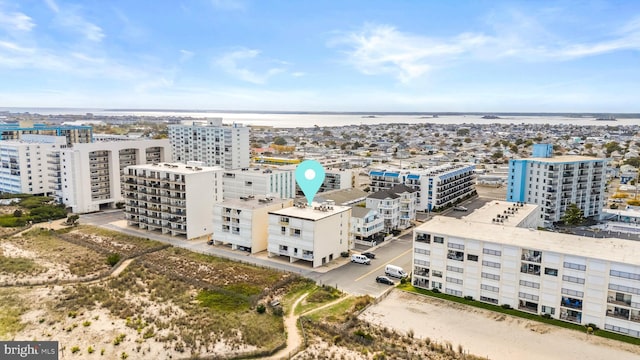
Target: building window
[
  {"x": 551, "y": 271},
  {"x": 491, "y": 276},
  {"x": 491, "y": 264},
  {"x": 548, "y": 310},
  {"x": 492, "y": 252},
  {"x": 573, "y": 279},
  {"x": 437, "y": 273},
  {"x": 472, "y": 257},
  {"x": 569, "y": 265},
  {"x": 438, "y": 239}
]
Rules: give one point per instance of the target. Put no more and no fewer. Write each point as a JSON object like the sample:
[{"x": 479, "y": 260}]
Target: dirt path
[
  {"x": 294, "y": 340},
  {"x": 293, "y": 337},
  {"x": 121, "y": 268}
]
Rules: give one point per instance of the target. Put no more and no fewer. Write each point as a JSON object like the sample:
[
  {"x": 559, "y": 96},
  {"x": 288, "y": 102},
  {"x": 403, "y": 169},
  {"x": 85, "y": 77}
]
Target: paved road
[
  {"x": 359, "y": 279},
  {"x": 355, "y": 279}
]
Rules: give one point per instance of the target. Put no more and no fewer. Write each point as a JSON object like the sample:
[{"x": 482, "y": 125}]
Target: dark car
[
  {"x": 384, "y": 280},
  {"x": 370, "y": 255},
  {"x": 210, "y": 242}
]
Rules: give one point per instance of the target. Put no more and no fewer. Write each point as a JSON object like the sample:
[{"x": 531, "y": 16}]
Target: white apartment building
[
  {"x": 554, "y": 183},
  {"x": 437, "y": 187},
  {"x": 317, "y": 233},
  {"x": 212, "y": 143},
  {"x": 366, "y": 225},
  {"x": 243, "y": 223},
  {"x": 396, "y": 206},
  {"x": 31, "y": 165},
  {"x": 91, "y": 172},
  {"x": 571, "y": 278},
  {"x": 174, "y": 199},
  {"x": 259, "y": 181},
  {"x": 338, "y": 179}
]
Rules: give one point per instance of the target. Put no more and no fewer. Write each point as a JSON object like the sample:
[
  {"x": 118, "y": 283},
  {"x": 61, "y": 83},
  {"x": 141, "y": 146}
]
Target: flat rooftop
[
  {"x": 564, "y": 159},
  {"x": 253, "y": 203},
  {"x": 177, "y": 168},
  {"x": 312, "y": 212},
  {"x": 514, "y": 212},
  {"x": 617, "y": 250}
]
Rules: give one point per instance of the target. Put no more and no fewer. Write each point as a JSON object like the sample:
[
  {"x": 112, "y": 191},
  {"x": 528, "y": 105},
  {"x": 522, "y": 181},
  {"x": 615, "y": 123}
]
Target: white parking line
[{"x": 381, "y": 266}]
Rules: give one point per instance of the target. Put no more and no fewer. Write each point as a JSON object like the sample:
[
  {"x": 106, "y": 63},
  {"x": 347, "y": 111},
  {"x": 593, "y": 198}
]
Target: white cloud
[
  {"x": 52, "y": 5},
  {"x": 228, "y": 4},
  {"x": 235, "y": 64},
  {"x": 379, "y": 49},
  {"x": 16, "y": 21},
  {"x": 69, "y": 17},
  {"x": 77, "y": 23},
  {"x": 383, "y": 49},
  {"x": 186, "y": 55},
  {"x": 15, "y": 47}
]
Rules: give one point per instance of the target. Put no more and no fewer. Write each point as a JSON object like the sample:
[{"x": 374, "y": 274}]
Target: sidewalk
[{"x": 259, "y": 259}]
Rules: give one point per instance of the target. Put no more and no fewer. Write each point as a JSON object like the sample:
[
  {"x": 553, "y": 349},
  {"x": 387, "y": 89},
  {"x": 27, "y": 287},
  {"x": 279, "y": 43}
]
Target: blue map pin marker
[{"x": 309, "y": 176}]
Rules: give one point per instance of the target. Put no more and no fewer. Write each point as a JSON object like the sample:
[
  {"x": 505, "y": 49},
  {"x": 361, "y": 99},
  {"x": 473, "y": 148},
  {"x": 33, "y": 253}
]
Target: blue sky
[{"x": 350, "y": 55}]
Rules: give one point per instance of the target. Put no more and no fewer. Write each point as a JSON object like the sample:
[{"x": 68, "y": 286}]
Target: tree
[
  {"x": 279, "y": 140},
  {"x": 573, "y": 215},
  {"x": 634, "y": 161},
  {"x": 497, "y": 155},
  {"x": 72, "y": 219},
  {"x": 17, "y": 213}
]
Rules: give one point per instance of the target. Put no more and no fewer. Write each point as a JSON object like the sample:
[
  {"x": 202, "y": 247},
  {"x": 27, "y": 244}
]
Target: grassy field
[
  {"x": 11, "y": 309},
  {"x": 81, "y": 261}
]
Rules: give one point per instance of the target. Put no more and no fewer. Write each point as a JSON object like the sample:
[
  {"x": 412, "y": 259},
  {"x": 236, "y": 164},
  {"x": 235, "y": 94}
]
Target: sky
[{"x": 342, "y": 55}]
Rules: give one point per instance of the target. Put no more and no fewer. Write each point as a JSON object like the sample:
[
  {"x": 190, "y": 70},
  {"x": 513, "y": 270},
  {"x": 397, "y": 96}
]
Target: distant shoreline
[{"x": 585, "y": 115}]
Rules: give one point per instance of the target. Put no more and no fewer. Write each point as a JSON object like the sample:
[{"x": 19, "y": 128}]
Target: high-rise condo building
[
  {"x": 212, "y": 143},
  {"x": 91, "y": 173},
  {"x": 31, "y": 165},
  {"x": 174, "y": 199},
  {"x": 72, "y": 134},
  {"x": 437, "y": 187},
  {"x": 554, "y": 183}
]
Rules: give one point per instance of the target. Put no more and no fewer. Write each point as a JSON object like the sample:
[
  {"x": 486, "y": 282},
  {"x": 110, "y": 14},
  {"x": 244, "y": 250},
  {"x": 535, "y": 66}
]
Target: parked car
[
  {"x": 384, "y": 280},
  {"x": 460, "y": 208},
  {"x": 395, "y": 271},
  {"x": 370, "y": 255},
  {"x": 360, "y": 259},
  {"x": 210, "y": 242}
]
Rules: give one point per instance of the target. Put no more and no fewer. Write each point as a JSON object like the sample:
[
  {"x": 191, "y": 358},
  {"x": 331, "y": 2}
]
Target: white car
[{"x": 460, "y": 208}]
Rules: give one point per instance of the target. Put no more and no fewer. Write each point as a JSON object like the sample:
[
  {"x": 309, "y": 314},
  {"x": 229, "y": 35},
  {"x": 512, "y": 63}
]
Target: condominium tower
[
  {"x": 554, "y": 183},
  {"x": 438, "y": 187},
  {"x": 174, "y": 199},
  {"x": 212, "y": 143},
  {"x": 91, "y": 173}
]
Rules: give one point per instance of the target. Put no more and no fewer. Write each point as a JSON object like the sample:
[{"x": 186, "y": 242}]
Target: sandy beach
[{"x": 492, "y": 335}]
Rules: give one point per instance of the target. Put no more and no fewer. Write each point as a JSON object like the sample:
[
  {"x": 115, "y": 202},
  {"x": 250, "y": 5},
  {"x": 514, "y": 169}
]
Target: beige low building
[
  {"x": 242, "y": 223},
  {"x": 317, "y": 234}
]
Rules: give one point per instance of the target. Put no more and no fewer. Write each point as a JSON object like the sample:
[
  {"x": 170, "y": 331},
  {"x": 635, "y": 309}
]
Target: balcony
[
  {"x": 618, "y": 313},
  {"x": 455, "y": 255},
  {"x": 530, "y": 269},
  {"x": 571, "y": 303}
]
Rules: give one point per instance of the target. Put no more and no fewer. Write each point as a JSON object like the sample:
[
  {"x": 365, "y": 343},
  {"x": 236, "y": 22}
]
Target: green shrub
[
  {"x": 505, "y": 306},
  {"x": 75, "y": 349},
  {"x": 119, "y": 339},
  {"x": 113, "y": 259},
  {"x": 17, "y": 213},
  {"x": 90, "y": 350},
  {"x": 261, "y": 308}
]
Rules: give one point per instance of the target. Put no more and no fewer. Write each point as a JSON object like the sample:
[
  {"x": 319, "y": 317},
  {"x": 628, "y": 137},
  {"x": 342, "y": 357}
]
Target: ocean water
[{"x": 292, "y": 120}]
